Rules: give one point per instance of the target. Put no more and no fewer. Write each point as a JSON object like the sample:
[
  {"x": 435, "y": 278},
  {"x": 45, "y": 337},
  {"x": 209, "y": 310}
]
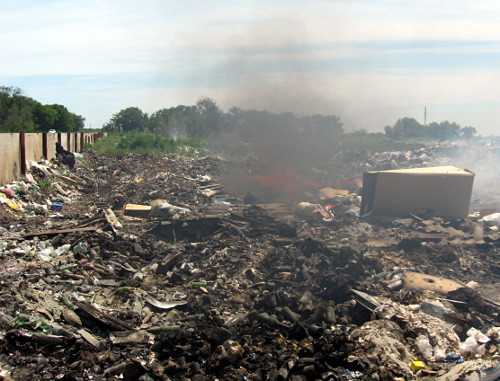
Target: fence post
[
  {"x": 45, "y": 146},
  {"x": 22, "y": 146}
]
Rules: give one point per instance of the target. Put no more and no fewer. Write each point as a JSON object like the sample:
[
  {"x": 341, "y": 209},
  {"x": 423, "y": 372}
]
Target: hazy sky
[{"x": 370, "y": 62}]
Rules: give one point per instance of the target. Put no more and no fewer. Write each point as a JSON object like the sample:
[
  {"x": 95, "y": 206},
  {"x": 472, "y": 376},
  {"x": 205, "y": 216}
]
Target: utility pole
[{"x": 425, "y": 115}]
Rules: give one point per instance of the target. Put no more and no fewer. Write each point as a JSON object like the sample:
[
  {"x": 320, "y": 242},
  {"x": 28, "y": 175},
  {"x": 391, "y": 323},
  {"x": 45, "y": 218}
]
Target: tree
[
  {"x": 210, "y": 118},
  {"x": 234, "y": 119},
  {"x": 158, "y": 121},
  {"x": 322, "y": 124},
  {"x": 21, "y": 113},
  {"x": 129, "y": 119},
  {"x": 175, "y": 122},
  {"x": 443, "y": 131},
  {"x": 15, "y": 111},
  {"x": 410, "y": 128},
  {"x": 468, "y": 132},
  {"x": 65, "y": 121},
  {"x": 45, "y": 117},
  {"x": 389, "y": 131}
]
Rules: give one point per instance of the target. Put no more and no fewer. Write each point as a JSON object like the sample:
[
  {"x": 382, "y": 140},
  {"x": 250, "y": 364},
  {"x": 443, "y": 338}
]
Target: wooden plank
[
  {"x": 104, "y": 318},
  {"x": 432, "y": 236},
  {"x": 113, "y": 221},
  {"x": 91, "y": 339},
  {"x": 135, "y": 210},
  {"x": 277, "y": 210},
  {"x": 209, "y": 192},
  {"x": 210, "y": 186},
  {"x": 328, "y": 192},
  {"x": 60, "y": 231},
  {"x": 419, "y": 281}
]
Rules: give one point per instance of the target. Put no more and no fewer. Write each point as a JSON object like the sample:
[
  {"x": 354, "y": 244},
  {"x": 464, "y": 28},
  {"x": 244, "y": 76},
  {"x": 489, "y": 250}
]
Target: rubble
[{"x": 209, "y": 287}]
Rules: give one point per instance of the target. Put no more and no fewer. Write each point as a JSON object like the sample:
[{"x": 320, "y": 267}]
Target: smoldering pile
[{"x": 235, "y": 291}]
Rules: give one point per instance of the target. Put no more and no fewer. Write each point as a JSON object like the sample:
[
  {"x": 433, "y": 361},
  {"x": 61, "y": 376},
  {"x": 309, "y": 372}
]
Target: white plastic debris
[
  {"x": 492, "y": 220},
  {"x": 472, "y": 284},
  {"x": 478, "y": 335},
  {"x": 470, "y": 345},
  {"x": 424, "y": 347},
  {"x": 475, "y": 343},
  {"x": 169, "y": 211},
  {"x": 46, "y": 254},
  {"x": 62, "y": 249}
]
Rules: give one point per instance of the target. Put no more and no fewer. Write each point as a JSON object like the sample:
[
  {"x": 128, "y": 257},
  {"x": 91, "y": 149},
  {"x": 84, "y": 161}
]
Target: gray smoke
[{"x": 482, "y": 158}]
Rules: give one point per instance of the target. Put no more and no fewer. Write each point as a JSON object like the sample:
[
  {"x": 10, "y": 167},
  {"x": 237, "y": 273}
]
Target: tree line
[
  {"x": 202, "y": 120},
  {"x": 411, "y": 128},
  {"x": 206, "y": 119},
  {"x": 21, "y": 113},
  {"x": 199, "y": 121}
]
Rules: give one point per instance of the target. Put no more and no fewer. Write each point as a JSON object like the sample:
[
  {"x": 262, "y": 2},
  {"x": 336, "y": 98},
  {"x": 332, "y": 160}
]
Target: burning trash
[{"x": 268, "y": 274}]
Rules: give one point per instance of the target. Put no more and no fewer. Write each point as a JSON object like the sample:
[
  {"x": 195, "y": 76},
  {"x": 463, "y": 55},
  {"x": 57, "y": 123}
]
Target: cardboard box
[{"x": 437, "y": 191}]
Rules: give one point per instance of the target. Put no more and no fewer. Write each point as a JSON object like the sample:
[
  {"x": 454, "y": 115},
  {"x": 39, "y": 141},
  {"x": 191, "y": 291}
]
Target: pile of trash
[{"x": 143, "y": 267}]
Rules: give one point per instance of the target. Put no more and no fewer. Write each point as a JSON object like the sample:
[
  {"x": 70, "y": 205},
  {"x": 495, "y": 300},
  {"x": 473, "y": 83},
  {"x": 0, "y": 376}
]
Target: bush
[{"x": 139, "y": 142}]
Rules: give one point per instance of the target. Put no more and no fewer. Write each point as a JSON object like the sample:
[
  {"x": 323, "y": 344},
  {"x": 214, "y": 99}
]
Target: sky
[{"x": 370, "y": 62}]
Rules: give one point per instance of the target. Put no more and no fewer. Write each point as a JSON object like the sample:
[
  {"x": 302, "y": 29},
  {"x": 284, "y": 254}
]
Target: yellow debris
[
  {"x": 417, "y": 365},
  {"x": 12, "y": 204}
]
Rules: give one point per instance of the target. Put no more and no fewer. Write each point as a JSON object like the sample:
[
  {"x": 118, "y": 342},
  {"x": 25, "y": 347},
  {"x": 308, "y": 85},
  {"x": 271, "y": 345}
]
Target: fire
[{"x": 280, "y": 183}]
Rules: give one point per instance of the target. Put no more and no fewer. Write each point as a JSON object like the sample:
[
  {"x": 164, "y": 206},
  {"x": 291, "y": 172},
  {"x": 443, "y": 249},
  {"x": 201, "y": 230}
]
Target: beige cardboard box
[{"x": 439, "y": 191}]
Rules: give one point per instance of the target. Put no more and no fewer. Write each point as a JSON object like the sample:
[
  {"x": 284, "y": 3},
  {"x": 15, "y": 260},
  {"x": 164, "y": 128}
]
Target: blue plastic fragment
[{"x": 453, "y": 357}]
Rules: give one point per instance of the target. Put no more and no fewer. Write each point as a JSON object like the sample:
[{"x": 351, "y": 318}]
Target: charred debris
[{"x": 145, "y": 267}]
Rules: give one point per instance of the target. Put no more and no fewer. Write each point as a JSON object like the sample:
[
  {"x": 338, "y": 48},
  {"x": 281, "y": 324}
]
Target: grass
[
  {"x": 46, "y": 186},
  {"x": 136, "y": 142}
]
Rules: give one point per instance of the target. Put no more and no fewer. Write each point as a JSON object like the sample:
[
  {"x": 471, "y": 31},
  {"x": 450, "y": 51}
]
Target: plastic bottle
[
  {"x": 63, "y": 249},
  {"x": 80, "y": 248}
]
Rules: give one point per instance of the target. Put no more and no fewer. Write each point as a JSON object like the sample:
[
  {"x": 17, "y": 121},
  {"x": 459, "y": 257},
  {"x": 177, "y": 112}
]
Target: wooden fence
[{"x": 17, "y": 150}]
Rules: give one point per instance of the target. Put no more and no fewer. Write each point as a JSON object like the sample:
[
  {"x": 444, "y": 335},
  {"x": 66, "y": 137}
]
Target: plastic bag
[{"x": 424, "y": 346}]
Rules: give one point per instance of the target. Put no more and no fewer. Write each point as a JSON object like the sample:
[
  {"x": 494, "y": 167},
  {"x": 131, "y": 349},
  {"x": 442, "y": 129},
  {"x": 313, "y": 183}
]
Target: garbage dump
[{"x": 144, "y": 267}]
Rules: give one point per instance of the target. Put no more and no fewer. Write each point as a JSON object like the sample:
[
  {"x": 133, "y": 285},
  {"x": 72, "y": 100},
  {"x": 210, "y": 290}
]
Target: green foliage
[
  {"x": 127, "y": 120},
  {"x": 46, "y": 186},
  {"x": 20, "y": 113},
  {"x": 468, "y": 132},
  {"x": 322, "y": 124},
  {"x": 409, "y": 128},
  {"x": 206, "y": 120},
  {"x": 253, "y": 125},
  {"x": 405, "y": 128},
  {"x": 16, "y": 113},
  {"x": 138, "y": 142},
  {"x": 175, "y": 122},
  {"x": 45, "y": 116},
  {"x": 65, "y": 120},
  {"x": 210, "y": 118}
]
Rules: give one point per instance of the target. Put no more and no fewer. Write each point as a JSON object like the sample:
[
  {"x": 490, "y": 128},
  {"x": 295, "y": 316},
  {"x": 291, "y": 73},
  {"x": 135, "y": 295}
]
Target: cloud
[{"x": 369, "y": 61}]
